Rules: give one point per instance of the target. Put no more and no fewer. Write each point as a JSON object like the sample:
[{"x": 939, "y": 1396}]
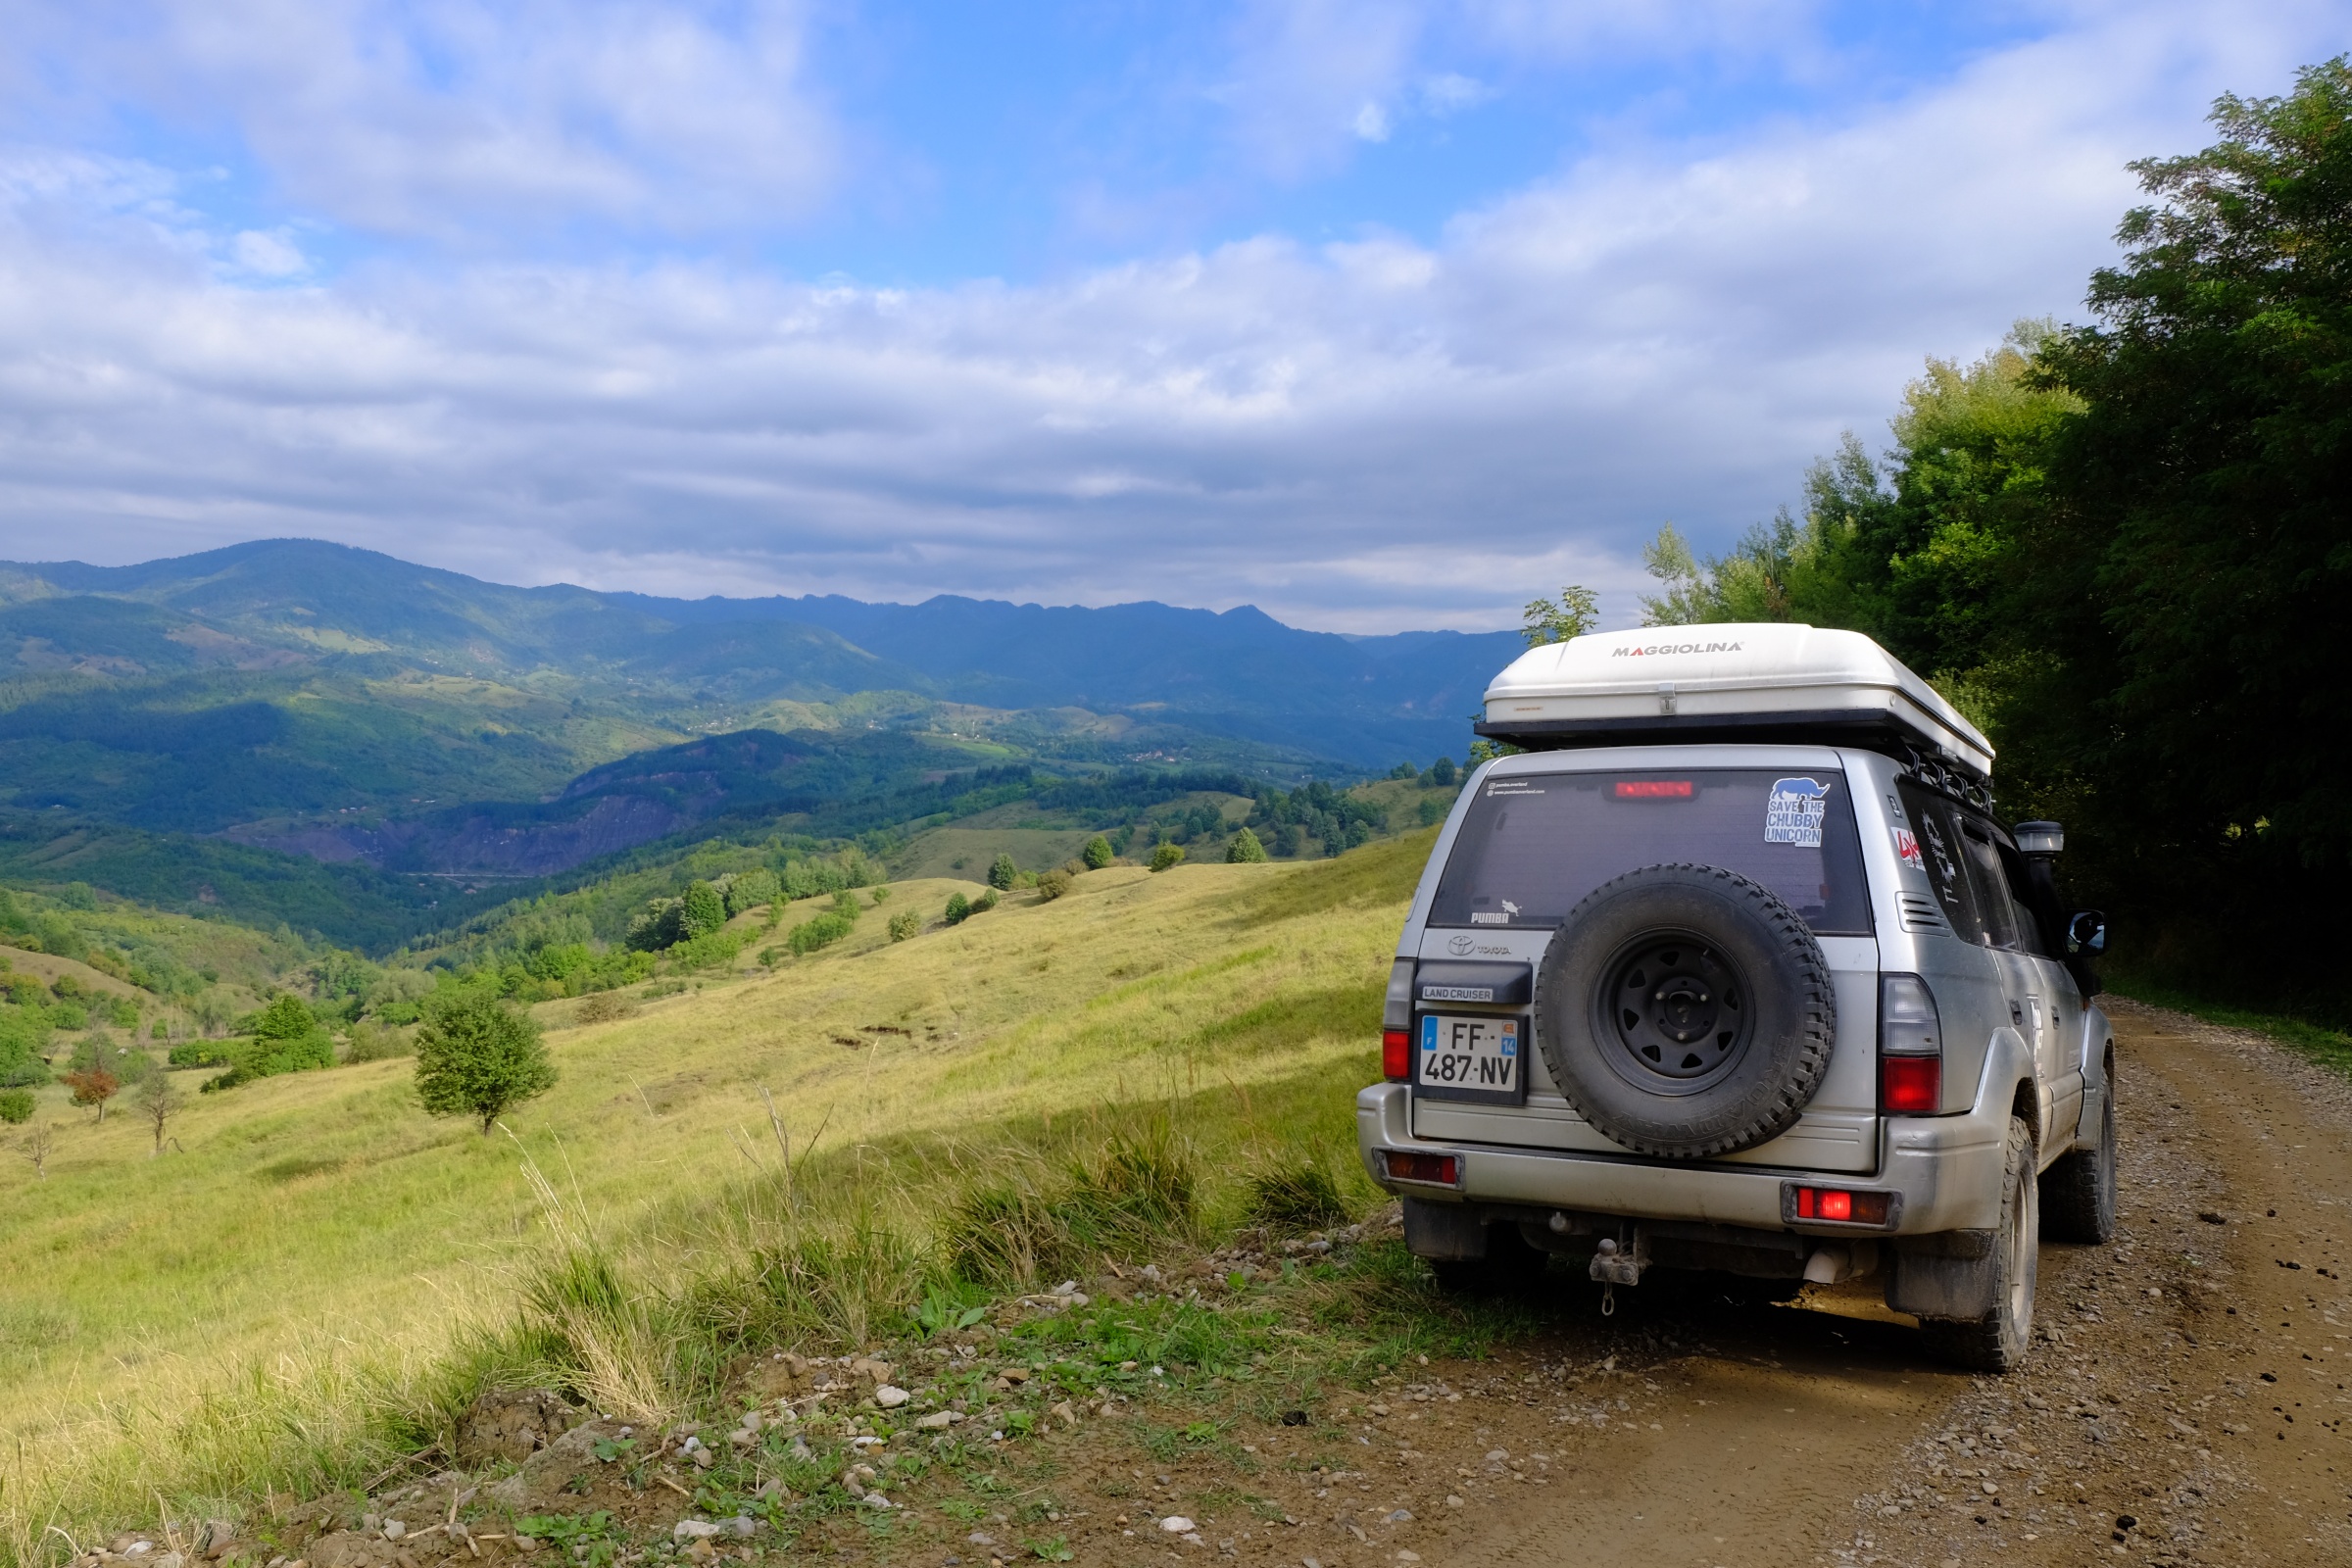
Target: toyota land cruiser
[{"x": 1732, "y": 967}]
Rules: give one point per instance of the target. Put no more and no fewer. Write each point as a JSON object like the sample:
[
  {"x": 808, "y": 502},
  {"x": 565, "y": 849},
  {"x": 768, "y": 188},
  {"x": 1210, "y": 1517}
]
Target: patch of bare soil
[{"x": 2185, "y": 1405}]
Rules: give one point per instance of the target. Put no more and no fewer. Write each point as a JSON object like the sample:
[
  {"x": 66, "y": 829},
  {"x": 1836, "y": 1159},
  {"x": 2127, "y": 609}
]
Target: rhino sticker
[{"x": 1794, "y": 811}]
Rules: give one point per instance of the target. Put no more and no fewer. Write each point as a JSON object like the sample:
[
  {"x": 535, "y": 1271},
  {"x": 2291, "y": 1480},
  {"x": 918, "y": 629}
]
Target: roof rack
[{"x": 1739, "y": 682}]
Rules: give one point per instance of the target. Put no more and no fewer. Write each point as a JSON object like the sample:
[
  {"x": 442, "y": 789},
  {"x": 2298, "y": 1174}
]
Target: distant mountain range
[
  {"x": 284, "y": 604},
  {"x": 290, "y": 730}
]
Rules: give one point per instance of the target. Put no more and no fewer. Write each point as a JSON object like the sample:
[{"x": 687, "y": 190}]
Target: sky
[{"x": 1376, "y": 316}]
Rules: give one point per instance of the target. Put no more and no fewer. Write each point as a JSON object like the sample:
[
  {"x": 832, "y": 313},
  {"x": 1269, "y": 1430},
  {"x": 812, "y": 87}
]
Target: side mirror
[{"x": 2086, "y": 933}]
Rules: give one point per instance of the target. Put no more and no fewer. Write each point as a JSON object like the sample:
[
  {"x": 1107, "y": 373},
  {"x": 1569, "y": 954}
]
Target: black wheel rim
[{"x": 1673, "y": 1014}]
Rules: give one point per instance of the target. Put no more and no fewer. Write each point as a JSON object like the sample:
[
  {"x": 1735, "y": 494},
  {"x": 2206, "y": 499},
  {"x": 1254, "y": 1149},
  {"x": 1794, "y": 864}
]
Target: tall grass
[{"x": 325, "y": 1279}]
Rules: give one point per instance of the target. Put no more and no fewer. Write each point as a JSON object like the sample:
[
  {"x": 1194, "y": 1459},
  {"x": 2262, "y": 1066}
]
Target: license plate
[{"x": 1466, "y": 1057}]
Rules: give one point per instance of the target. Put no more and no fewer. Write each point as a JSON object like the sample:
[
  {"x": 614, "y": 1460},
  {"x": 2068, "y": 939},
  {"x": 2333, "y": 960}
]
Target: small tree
[
  {"x": 1441, "y": 773},
  {"x": 1244, "y": 850},
  {"x": 1166, "y": 856},
  {"x": 159, "y": 1101},
  {"x": 16, "y": 1106},
  {"x": 905, "y": 924},
  {"x": 1001, "y": 874},
  {"x": 1572, "y": 614},
  {"x": 37, "y": 1144},
  {"x": 958, "y": 906},
  {"x": 93, "y": 1086},
  {"x": 702, "y": 911},
  {"x": 477, "y": 1055},
  {"x": 1097, "y": 854},
  {"x": 1053, "y": 885}
]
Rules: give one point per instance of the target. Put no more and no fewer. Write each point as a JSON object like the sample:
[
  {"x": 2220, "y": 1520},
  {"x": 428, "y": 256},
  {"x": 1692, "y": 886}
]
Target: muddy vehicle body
[{"x": 1733, "y": 969}]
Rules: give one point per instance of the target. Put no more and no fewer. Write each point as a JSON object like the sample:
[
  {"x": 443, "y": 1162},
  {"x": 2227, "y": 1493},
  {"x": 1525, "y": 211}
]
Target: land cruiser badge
[{"x": 1793, "y": 813}]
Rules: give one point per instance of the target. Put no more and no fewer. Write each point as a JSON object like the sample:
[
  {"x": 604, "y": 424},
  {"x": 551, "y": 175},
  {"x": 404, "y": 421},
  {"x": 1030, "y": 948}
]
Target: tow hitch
[{"x": 1615, "y": 1264}]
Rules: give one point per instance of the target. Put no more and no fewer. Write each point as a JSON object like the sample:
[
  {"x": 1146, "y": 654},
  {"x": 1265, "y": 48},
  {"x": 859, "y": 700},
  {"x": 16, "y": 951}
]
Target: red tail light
[
  {"x": 1839, "y": 1206},
  {"x": 1406, "y": 1165},
  {"x": 1396, "y": 1054},
  {"x": 1913, "y": 1084}
]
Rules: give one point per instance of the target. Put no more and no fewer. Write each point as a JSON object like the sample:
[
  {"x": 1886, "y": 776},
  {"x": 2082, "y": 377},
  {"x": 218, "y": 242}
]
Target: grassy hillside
[{"x": 238, "y": 1313}]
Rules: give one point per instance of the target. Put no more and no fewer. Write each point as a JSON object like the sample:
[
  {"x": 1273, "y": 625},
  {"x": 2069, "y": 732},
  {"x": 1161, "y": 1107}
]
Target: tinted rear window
[{"x": 1533, "y": 845}]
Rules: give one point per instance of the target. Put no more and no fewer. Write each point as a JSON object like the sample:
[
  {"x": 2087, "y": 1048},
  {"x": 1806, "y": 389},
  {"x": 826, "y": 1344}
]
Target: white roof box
[{"x": 1771, "y": 681}]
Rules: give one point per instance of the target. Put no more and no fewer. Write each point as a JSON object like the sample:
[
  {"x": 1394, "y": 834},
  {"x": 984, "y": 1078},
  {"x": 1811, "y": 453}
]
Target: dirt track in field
[{"x": 2186, "y": 1403}]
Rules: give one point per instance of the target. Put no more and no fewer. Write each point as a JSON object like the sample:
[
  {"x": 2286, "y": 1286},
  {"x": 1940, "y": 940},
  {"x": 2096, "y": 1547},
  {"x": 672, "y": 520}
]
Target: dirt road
[{"x": 2187, "y": 1402}]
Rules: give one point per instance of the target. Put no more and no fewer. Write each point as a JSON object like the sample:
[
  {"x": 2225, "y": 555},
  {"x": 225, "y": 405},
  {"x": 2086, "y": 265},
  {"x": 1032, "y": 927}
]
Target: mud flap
[
  {"x": 1951, "y": 1275},
  {"x": 1443, "y": 1232}
]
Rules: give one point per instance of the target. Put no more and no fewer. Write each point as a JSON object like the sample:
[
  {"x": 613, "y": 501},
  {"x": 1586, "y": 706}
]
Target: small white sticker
[{"x": 1793, "y": 813}]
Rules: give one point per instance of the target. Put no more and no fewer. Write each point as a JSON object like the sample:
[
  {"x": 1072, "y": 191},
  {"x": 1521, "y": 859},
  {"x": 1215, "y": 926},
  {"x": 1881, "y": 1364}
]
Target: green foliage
[
  {"x": 1002, "y": 873},
  {"x": 1442, "y": 774},
  {"x": 1052, "y": 885},
  {"x": 701, "y": 910},
  {"x": 479, "y": 1055},
  {"x": 1245, "y": 848},
  {"x": 1097, "y": 853},
  {"x": 958, "y": 908},
  {"x": 1549, "y": 621},
  {"x": 284, "y": 1037},
  {"x": 1166, "y": 856},
  {"x": 748, "y": 889},
  {"x": 906, "y": 924},
  {"x": 822, "y": 931},
  {"x": 202, "y": 1054},
  {"x": 24, "y": 1034},
  {"x": 1338, "y": 820},
  {"x": 16, "y": 1106}
]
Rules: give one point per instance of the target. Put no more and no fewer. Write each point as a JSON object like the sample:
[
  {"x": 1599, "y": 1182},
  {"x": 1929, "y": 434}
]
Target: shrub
[
  {"x": 701, "y": 910},
  {"x": 92, "y": 1085},
  {"x": 479, "y": 1055},
  {"x": 605, "y": 1005},
  {"x": 881, "y": 894},
  {"x": 69, "y": 1015},
  {"x": 1166, "y": 856},
  {"x": 374, "y": 1042},
  {"x": 68, "y": 987},
  {"x": 122, "y": 1013},
  {"x": 823, "y": 931},
  {"x": 846, "y": 903},
  {"x": 1053, "y": 885},
  {"x": 958, "y": 909},
  {"x": 1245, "y": 848},
  {"x": 1097, "y": 853},
  {"x": 200, "y": 1054},
  {"x": 1441, "y": 773},
  {"x": 285, "y": 1037},
  {"x": 1002, "y": 873},
  {"x": 16, "y": 1106},
  {"x": 747, "y": 890},
  {"x": 1295, "y": 1196},
  {"x": 905, "y": 924},
  {"x": 983, "y": 903}
]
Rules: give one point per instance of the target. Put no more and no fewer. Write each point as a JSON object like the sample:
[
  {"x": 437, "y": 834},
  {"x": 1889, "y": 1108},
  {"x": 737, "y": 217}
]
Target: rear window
[{"x": 1533, "y": 845}]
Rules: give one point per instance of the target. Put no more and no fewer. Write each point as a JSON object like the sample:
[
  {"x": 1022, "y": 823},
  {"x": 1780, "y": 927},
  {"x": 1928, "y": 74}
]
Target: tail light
[
  {"x": 1397, "y": 1055},
  {"x": 1412, "y": 1166},
  {"x": 1397, "y": 1023},
  {"x": 1837, "y": 1206},
  {"x": 1910, "y": 1048}
]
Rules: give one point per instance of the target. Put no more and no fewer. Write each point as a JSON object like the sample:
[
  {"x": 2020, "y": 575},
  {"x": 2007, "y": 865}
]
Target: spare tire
[{"x": 1684, "y": 1012}]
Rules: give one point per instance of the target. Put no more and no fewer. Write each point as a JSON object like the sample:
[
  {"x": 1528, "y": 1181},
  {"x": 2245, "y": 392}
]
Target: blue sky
[{"x": 1375, "y": 314}]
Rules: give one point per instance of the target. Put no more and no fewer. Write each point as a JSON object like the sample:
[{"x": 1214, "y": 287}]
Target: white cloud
[
  {"x": 1371, "y": 123},
  {"x": 448, "y": 118},
  {"x": 271, "y": 254},
  {"x": 1363, "y": 435}
]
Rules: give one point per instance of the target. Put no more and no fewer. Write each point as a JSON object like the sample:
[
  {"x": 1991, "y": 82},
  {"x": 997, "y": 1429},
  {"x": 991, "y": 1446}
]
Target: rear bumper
[{"x": 1945, "y": 1170}]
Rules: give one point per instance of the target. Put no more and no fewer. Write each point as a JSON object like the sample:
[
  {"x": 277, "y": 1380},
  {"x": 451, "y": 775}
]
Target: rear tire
[
  {"x": 2000, "y": 1339},
  {"x": 2078, "y": 1193}
]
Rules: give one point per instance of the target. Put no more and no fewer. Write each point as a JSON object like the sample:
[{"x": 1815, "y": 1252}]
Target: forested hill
[{"x": 291, "y": 603}]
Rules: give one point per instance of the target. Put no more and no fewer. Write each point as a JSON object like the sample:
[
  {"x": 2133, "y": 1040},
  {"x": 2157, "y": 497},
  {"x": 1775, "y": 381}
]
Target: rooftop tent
[{"x": 1726, "y": 683}]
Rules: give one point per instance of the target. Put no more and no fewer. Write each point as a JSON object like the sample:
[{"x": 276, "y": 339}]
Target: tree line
[{"x": 2124, "y": 547}]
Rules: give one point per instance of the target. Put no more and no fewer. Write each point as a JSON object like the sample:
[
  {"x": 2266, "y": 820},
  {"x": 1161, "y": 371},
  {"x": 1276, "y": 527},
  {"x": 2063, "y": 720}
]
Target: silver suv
[{"x": 1742, "y": 975}]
